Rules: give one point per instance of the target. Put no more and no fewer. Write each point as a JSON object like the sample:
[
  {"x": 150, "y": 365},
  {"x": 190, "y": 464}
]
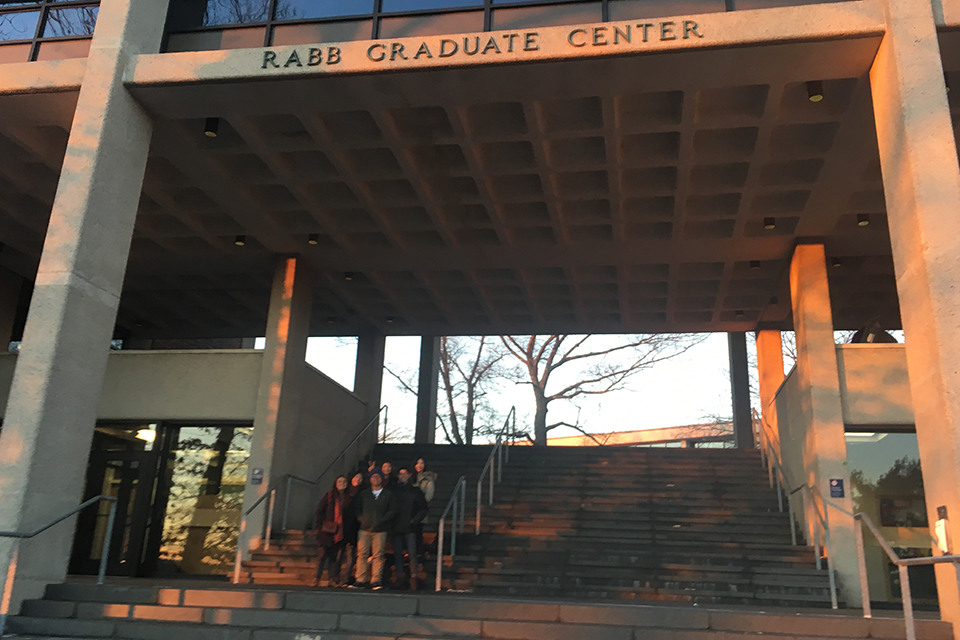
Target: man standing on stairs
[
  {"x": 412, "y": 509},
  {"x": 375, "y": 509}
]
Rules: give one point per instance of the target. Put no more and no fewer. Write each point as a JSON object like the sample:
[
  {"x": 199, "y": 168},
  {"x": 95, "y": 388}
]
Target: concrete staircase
[
  {"x": 695, "y": 525},
  {"x": 292, "y": 557},
  {"x": 263, "y": 613}
]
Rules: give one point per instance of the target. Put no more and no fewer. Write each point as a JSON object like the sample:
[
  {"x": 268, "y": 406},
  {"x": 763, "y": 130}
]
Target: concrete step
[{"x": 160, "y": 613}]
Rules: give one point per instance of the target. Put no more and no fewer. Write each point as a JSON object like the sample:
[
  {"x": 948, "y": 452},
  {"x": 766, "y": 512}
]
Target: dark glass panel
[
  {"x": 14, "y": 53},
  {"x": 63, "y": 49},
  {"x": 302, "y": 9},
  {"x": 431, "y": 25},
  {"x": 76, "y": 21},
  {"x": 18, "y": 26},
  {"x": 340, "y": 31},
  {"x": 420, "y": 5}
]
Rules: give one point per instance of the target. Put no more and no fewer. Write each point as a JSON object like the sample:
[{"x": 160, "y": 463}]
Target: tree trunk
[
  {"x": 468, "y": 421},
  {"x": 540, "y": 422}
]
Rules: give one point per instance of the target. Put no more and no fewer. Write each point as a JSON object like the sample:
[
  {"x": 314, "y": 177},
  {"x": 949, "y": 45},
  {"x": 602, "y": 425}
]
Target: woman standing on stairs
[{"x": 331, "y": 532}]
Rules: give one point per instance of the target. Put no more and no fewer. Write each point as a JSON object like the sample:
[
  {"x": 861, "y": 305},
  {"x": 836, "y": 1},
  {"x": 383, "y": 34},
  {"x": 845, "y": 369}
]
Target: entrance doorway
[{"x": 179, "y": 491}]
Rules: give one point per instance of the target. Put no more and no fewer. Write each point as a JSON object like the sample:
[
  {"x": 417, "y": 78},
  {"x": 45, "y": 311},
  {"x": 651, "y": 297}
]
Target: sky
[{"x": 690, "y": 388}]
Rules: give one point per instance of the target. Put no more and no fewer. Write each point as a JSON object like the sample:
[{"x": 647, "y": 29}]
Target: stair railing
[
  {"x": 287, "y": 480},
  {"x": 6, "y": 584},
  {"x": 903, "y": 565},
  {"x": 506, "y": 435},
  {"x": 770, "y": 458},
  {"x": 456, "y": 504}
]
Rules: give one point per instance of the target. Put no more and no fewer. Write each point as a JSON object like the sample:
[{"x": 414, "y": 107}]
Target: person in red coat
[{"x": 332, "y": 514}]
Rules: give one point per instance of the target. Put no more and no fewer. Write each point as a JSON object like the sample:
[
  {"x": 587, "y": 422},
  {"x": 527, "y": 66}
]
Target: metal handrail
[
  {"x": 509, "y": 428},
  {"x": 768, "y": 454},
  {"x": 903, "y": 564},
  {"x": 23, "y": 535},
  {"x": 459, "y": 508},
  {"x": 289, "y": 478}
]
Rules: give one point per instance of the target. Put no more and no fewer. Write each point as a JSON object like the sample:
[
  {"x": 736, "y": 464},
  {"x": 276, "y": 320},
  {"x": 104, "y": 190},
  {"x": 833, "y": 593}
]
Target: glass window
[
  {"x": 339, "y": 31},
  {"x": 78, "y": 21},
  {"x": 207, "y": 473},
  {"x": 219, "y": 12},
  {"x": 302, "y": 9},
  {"x": 546, "y": 16},
  {"x": 431, "y": 25},
  {"x": 419, "y": 5},
  {"x": 887, "y": 485},
  {"x": 18, "y": 26}
]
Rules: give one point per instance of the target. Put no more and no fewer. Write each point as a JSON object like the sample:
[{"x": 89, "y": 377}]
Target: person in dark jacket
[
  {"x": 411, "y": 510},
  {"x": 331, "y": 529},
  {"x": 375, "y": 509},
  {"x": 350, "y": 529}
]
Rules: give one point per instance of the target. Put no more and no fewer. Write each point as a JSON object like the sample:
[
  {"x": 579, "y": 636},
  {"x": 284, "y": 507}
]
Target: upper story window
[{"x": 46, "y": 29}]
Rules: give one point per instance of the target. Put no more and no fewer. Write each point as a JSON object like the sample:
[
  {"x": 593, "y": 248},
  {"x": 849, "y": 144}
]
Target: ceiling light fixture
[
  {"x": 348, "y": 276},
  {"x": 739, "y": 313},
  {"x": 240, "y": 241},
  {"x": 147, "y": 435},
  {"x": 863, "y": 219},
  {"x": 389, "y": 319},
  {"x": 774, "y": 301},
  {"x": 313, "y": 238},
  {"x": 815, "y": 90},
  {"x": 211, "y": 127},
  {"x": 837, "y": 262},
  {"x": 754, "y": 264},
  {"x": 769, "y": 223}
]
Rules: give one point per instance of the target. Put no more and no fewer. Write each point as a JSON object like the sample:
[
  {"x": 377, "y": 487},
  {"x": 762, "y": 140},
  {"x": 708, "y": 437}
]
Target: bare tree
[
  {"x": 467, "y": 365},
  {"x": 603, "y": 369}
]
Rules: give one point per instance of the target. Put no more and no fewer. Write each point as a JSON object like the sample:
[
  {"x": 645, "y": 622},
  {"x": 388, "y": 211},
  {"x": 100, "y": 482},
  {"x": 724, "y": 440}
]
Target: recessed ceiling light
[
  {"x": 754, "y": 264},
  {"x": 815, "y": 90},
  {"x": 389, "y": 319},
  {"x": 348, "y": 275},
  {"x": 774, "y": 300},
  {"x": 739, "y": 313},
  {"x": 769, "y": 223},
  {"x": 863, "y": 219},
  {"x": 240, "y": 241},
  {"x": 211, "y": 127},
  {"x": 313, "y": 238},
  {"x": 837, "y": 262}
]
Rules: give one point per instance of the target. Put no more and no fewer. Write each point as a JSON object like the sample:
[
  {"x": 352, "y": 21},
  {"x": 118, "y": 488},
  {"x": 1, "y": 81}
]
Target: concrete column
[
  {"x": 825, "y": 447},
  {"x": 368, "y": 377},
  {"x": 740, "y": 390},
  {"x": 770, "y": 377},
  {"x": 10, "y": 286},
  {"x": 921, "y": 180},
  {"x": 277, "y": 414},
  {"x": 56, "y": 386},
  {"x": 427, "y": 390}
]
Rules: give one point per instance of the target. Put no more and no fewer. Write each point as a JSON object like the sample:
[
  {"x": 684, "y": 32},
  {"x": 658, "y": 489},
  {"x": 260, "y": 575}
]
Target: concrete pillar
[
  {"x": 10, "y": 286},
  {"x": 921, "y": 180},
  {"x": 277, "y": 413},
  {"x": 825, "y": 446},
  {"x": 770, "y": 377},
  {"x": 56, "y": 386},
  {"x": 427, "y": 390},
  {"x": 740, "y": 390},
  {"x": 368, "y": 377}
]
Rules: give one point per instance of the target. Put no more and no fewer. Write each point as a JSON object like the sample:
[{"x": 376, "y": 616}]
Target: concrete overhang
[{"x": 561, "y": 189}]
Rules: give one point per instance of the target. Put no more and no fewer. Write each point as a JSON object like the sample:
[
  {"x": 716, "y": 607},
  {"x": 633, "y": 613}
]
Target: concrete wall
[
  {"x": 874, "y": 391},
  {"x": 171, "y": 385},
  {"x": 330, "y": 417},
  {"x": 874, "y": 385}
]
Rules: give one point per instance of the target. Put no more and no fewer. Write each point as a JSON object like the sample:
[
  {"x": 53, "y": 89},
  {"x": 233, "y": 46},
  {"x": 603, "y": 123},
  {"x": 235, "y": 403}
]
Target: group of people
[{"x": 356, "y": 518}]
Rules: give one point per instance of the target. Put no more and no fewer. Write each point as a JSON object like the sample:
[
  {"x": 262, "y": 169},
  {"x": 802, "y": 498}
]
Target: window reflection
[
  {"x": 301, "y": 9},
  {"x": 78, "y": 21},
  {"x": 220, "y": 12},
  {"x": 417, "y": 5},
  {"x": 18, "y": 26},
  {"x": 206, "y": 475},
  {"x": 887, "y": 485}
]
